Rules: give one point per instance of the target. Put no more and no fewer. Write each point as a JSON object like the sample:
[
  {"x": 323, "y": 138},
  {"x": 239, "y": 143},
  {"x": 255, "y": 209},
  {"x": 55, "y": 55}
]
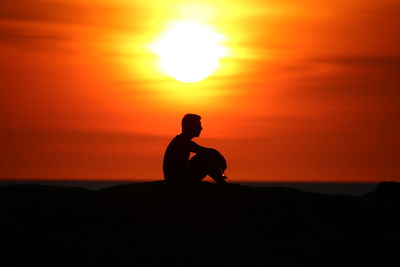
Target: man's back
[{"x": 176, "y": 157}]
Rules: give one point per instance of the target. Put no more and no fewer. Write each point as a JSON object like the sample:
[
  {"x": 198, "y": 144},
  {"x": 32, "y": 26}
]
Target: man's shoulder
[
  {"x": 177, "y": 141},
  {"x": 180, "y": 140}
]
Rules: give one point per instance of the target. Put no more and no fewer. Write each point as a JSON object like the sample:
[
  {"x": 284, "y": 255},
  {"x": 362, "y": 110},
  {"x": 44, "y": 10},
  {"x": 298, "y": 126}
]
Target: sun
[{"x": 189, "y": 51}]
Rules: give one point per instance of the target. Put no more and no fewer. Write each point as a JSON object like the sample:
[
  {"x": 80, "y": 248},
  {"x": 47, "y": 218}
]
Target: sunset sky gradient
[{"x": 309, "y": 91}]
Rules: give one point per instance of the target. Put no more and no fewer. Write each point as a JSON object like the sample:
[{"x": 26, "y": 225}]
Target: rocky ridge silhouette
[{"x": 188, "y": 224}]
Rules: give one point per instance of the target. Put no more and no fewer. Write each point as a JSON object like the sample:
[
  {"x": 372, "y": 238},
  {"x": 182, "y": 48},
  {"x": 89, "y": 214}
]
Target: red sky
[{"x": 309, "y": 92}]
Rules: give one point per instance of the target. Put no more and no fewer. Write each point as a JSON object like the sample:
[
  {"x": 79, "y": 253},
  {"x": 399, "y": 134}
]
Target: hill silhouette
[{"x": 187, "y": 224}]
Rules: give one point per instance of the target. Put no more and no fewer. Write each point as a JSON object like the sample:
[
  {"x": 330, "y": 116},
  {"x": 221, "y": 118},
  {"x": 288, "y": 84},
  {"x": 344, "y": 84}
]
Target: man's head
[{"x": 191, "y": 125}]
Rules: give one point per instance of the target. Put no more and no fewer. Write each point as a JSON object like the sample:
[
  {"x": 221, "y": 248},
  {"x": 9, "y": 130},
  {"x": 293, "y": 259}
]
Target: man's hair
[{"x": 190, "y": 120}]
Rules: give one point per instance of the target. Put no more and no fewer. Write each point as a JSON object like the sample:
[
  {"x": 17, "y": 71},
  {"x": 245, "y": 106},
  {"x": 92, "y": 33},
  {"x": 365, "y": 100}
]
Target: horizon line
[{"x": 132, "y": 180}]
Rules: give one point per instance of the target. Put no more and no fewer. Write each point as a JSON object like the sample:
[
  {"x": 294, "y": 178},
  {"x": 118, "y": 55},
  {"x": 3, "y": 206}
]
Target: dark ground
[{"x": 183, "y": 224}]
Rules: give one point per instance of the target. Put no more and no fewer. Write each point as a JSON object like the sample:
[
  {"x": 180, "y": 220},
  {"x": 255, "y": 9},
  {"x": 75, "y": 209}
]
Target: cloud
[
  {"x": 370, "y": 76},
  {"x": 110, "y": 15},
  {"x": 345, "y": 75},
  {"x": 386, "y": 62},
  {"x": 30, "y": 38},
  {"x": 39, "y": 24},
  {"x": 40, "y": 11},
  {"x": 65, "y": 25}
]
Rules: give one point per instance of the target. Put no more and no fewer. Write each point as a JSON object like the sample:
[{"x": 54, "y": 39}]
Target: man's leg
[
  {"x": 203, "y": 164},
  {"x": 197, "y": 172}
]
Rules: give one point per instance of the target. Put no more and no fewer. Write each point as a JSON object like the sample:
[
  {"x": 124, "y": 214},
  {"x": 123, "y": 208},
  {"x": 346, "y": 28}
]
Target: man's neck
[{"x": 187, "y": 136}]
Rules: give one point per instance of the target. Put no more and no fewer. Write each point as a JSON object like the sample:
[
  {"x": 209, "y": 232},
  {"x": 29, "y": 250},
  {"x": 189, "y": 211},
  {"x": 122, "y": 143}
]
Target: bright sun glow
[{"x": 189, "y": 51}]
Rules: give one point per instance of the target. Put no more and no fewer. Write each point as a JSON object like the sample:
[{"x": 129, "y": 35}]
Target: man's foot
[
  {"x": 218, "y": 176},
  {"x": 220, "y": 179}
]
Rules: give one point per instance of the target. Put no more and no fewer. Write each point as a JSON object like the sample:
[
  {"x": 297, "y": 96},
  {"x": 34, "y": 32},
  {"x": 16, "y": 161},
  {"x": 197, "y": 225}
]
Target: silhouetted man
[{"x": 178, "y": 167}]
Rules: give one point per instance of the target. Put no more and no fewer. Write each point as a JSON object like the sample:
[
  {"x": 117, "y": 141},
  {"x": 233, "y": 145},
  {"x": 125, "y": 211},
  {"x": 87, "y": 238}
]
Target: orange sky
[{"x": 310, "y": 90}]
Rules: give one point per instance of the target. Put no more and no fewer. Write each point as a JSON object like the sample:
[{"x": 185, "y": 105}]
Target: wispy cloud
[
  {"x": 41, "y": 11},
  {"x": 30, "y": 37},
  {"x": 386, "y": 62},
  {"x": 96, "y": 14}
]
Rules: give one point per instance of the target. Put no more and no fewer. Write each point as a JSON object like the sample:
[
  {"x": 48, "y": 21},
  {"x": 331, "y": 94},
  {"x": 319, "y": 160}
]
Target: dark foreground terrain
[{"x": 161, "y": 224}]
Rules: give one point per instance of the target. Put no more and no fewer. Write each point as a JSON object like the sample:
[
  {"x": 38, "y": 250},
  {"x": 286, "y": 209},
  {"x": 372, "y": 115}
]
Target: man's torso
[{"x": 176, "y": 158}]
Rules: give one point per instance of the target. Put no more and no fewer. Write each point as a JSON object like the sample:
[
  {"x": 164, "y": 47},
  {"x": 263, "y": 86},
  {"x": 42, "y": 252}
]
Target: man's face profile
[{"x": 197, "y": 129}]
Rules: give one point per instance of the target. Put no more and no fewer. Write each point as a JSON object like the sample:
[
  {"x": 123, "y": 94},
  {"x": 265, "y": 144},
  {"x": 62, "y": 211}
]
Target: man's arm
[{"x": 196, "y": 148}]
